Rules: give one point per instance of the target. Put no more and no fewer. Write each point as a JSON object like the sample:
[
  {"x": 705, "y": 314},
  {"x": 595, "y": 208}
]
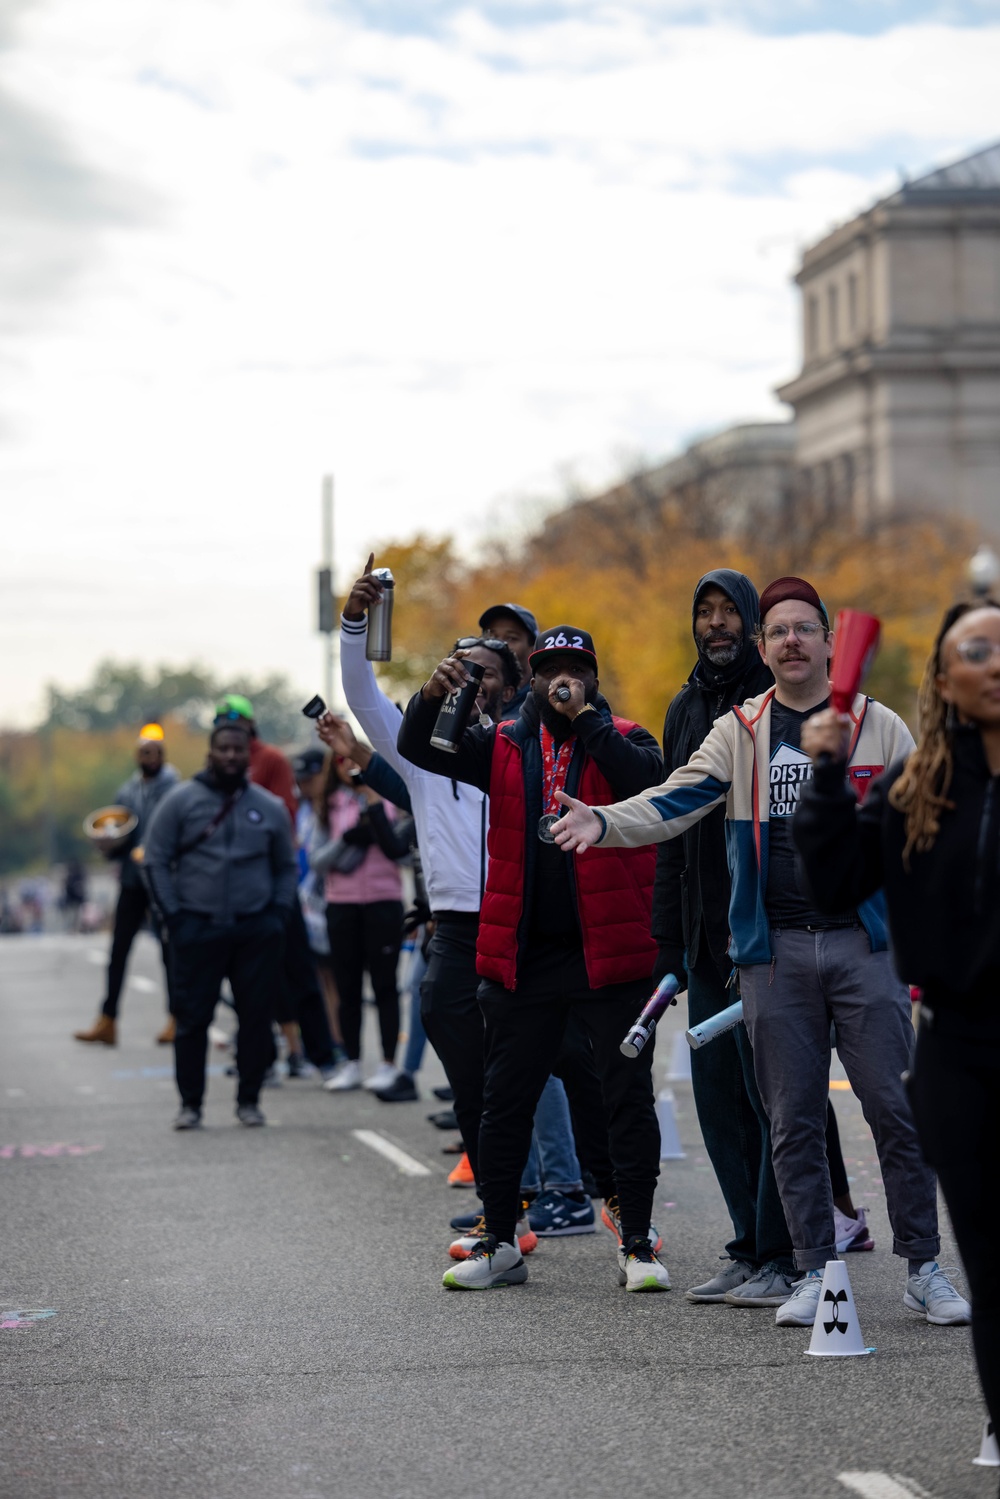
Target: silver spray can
[{"x": 378, "y": 646}]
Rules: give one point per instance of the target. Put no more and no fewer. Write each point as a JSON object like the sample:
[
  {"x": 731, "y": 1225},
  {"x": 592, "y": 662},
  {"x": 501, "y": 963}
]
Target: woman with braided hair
[{"x": 929, "y": 832}]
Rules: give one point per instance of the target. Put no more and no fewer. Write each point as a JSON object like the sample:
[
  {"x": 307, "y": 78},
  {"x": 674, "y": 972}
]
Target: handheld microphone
[
  {"x": 664, "y": 996},
  {"x": 563, "y": 694}
]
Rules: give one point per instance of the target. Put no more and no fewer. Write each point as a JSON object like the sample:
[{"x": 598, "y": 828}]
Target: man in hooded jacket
[{"x": 691, "y": 925}]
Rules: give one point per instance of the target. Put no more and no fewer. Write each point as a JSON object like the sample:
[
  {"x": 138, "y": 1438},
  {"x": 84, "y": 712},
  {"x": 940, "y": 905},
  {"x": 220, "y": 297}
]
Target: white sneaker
[
  {"x": 800, "y": 1308},
  {"x": 932, "y": 1293},
  {"x": 383, "y": 1077},
  {"x": 346, "y": 1075},
  {"x": 852, "y": 1233},
  {"x": 490, "y": 1264},
  {"x": 639, "y": 1269}
]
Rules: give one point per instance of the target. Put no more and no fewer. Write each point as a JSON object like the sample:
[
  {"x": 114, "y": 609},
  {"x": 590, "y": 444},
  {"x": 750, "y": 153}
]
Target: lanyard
[{"x": 554, "y": 768}]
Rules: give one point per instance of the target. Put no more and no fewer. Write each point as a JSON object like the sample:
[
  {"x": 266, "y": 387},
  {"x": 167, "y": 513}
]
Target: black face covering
[{"x": 227, "y": 783}]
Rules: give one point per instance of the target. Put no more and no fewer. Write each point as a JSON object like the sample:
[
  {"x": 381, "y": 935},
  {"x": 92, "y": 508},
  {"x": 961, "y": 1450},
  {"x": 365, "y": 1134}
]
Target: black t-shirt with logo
[{"x": 784, "y": 898}]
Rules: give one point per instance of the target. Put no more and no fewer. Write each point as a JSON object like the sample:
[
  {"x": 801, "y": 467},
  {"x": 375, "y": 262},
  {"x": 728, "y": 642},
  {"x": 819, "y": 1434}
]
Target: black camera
[{"x": 315, "y": 707}]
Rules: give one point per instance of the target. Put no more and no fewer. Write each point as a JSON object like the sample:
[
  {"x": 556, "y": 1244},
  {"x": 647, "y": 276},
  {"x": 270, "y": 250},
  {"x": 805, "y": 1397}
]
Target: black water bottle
[{"x": 456, "y": 710}]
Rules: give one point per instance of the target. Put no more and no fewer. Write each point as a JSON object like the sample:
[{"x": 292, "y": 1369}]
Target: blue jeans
[
  {"x": 416, "y": 1036},
  {"x": 735, "y": 1127},
  {"x": 552, "y": 1162},
  {"x": 816, "y": 978}
]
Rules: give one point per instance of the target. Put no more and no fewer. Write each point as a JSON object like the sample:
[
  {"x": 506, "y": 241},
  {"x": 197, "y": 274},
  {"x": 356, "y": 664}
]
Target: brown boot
[
  {"x": 103, "y": 1030},
  {"x": 169, "y": 1031}
]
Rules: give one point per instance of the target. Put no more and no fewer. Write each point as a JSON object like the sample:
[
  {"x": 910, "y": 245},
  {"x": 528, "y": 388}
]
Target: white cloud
[{"x": 438, "y": 266}]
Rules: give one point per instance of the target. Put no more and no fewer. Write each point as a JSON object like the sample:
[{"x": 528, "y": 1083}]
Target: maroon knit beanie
[{"x": 792, "y": 588}]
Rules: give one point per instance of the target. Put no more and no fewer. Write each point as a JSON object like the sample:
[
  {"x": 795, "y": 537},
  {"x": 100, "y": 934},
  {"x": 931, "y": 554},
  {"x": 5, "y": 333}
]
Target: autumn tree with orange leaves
[{"x": 629, "y": 579}]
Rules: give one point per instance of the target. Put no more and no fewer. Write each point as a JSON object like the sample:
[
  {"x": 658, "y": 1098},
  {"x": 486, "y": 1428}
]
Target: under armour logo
[{"x": 840, "y": 1296}]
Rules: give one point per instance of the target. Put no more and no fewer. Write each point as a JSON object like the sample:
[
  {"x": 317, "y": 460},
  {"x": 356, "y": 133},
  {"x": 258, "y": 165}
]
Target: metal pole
[{"x": 330, "y": 692}]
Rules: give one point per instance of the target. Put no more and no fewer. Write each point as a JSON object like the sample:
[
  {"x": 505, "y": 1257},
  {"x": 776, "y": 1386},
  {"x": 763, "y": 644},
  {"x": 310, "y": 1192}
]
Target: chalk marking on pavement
[
  {"x": 8, "y": 1152},
  {"x": 839, "y": 1085},
  {"x": 144, "y": 985},
  {"x": 404, "y": 1163},
  {"x": 26, "y": 1317},
  {"x": 881, "y": 1486}
]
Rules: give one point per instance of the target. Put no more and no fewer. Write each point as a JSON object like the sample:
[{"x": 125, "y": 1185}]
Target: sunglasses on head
[{"x": 468, "y": 642}]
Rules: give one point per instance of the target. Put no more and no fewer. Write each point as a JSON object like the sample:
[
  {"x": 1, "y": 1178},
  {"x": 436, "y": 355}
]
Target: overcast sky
[{"x": 446, "y": 251}]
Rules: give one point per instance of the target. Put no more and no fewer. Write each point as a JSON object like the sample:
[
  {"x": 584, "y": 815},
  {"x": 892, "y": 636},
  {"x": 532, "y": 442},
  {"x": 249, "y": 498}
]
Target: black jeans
[
  {"x": 524, "y": 1033},
  {"x": 454, "y": 1022},
  {"x": 248, "y": 953},
  {"x": 954, "y": 1091},
  {"x": 301, "y": 998},
  {"x": 130, "y": 915},
  {"x": 366, "y": 937}
]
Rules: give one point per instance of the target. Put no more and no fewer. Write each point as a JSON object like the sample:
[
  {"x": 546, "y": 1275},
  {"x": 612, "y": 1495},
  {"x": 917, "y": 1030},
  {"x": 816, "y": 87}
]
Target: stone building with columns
[{"x": 897, "y": 403}]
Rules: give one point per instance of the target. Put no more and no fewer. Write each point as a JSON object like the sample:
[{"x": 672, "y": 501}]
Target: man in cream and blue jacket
[{"x": 799, "y": 968}]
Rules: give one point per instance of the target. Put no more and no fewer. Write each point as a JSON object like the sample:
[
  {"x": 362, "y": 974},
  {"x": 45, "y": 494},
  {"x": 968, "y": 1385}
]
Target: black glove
[
  {"x": 671, "y": 960},
  {"x": 360, "y": 836}
]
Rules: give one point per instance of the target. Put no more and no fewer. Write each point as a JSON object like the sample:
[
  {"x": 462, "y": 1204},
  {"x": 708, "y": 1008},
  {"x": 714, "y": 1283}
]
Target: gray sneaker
[
  {"x": 249, "y": 1114},
  {"x": 734, "y": 1273},
  {"x": 770, "y": 1286},
  {"x": 187, "y": 1118},
  {"x": 932, "y": 1294},
  {"x": 800, "y": 1308}
]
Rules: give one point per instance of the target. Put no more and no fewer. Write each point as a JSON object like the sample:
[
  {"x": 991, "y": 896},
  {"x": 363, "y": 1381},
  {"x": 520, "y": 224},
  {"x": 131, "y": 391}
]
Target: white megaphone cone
[
  {"x": 989, "y": 1448},
  {"x": 680, "y": 1060},
  {"x": 836, "y": 1332},
  {"x": 671, "y": 1148}
]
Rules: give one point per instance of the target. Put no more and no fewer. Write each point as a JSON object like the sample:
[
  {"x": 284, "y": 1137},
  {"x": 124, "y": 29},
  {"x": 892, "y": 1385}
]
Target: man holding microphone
[{"x": 554, "y": 938}]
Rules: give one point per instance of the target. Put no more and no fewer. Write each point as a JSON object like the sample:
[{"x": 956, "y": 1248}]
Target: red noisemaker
[{"x": 855, "y": 643}]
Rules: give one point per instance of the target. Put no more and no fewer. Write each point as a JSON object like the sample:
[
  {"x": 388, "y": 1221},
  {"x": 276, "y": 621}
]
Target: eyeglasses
[
  {"x": 978, "y": 651},
  {"x": 805, "y": 630}
]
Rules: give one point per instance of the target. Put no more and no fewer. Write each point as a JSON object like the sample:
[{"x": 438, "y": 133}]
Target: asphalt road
[{"x": 258, "y": 1314}]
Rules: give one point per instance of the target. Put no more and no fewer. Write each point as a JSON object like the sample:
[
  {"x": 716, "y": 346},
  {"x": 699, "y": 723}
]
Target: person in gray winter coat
[{"x": 222, "y": 873}]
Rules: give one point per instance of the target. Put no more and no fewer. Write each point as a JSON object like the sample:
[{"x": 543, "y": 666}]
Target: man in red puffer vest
[{"x": 555, "y": 934}]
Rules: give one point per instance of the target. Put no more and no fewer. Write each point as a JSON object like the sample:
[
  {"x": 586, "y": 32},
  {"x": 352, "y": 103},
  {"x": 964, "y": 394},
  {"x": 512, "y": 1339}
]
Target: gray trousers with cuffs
[{"x": 817, "y": 978}]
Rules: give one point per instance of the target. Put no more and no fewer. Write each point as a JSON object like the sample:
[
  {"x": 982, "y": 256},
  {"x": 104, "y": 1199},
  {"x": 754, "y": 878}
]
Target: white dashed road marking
[
  {"x": 403, "y": 1162},
  {"x": 882, "y": 1486}
]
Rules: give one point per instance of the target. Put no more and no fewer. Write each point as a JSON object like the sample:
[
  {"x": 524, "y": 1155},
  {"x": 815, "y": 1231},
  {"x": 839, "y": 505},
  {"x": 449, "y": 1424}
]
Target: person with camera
[
  {"x": 551, "y": 943},
  {"x": 451, "y": 833},
  {"x": 222, "y": 873},
  {"x": 364, "y": 912}
]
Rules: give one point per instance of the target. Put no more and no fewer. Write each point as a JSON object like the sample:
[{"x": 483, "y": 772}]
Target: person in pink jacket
[{"x": 364, "y": 913}]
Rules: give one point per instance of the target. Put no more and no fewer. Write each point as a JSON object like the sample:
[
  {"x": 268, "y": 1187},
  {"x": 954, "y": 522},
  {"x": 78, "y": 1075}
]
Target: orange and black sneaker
[
  {"x": 462, "y": 1175},
  {"x": 526, "y": 1238},
  {"x": 611, "y": 1218}
]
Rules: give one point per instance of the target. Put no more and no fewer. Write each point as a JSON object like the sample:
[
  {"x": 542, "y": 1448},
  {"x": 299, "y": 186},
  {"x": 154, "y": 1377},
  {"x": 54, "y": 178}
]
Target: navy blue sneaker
[{"x": 553, "y": 1216}]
